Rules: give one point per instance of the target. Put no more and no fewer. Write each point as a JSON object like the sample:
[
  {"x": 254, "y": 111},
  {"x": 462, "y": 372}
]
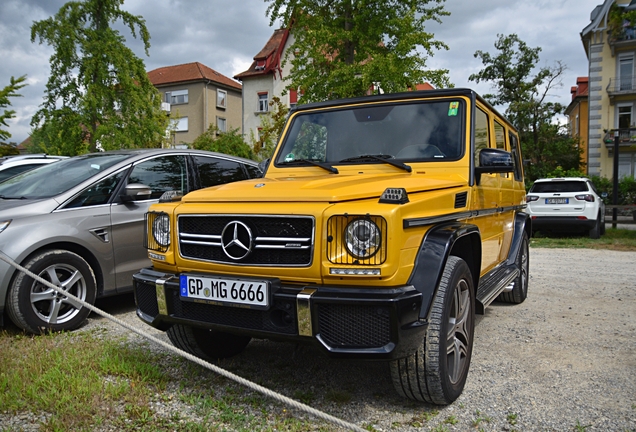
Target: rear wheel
[
  {"x": 437, "y": 371},
  {"x": 206, "y": 344},
  {"x": 38, "y": 308},
  {"x": 520, "y": 284},
  {"x": 595, "y": 232}
]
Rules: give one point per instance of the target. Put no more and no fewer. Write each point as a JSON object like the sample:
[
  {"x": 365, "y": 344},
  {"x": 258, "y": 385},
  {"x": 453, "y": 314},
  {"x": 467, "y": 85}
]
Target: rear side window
[
  {"x": 216, "y": 171},
  {"x": 559, "y": 186}
]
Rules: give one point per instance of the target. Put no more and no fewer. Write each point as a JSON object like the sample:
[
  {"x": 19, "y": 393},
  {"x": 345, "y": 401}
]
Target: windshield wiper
[
  {"x": 324, "y": 166},
  {"x": 382, "y": 158},
  {"x": 12, "y": 198}
]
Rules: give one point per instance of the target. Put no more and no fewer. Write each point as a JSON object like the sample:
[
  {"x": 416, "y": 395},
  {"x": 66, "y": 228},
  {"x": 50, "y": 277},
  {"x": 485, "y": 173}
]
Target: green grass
[
  {"x": 613, "y": 239},
  {"x": 86, "y": 380}
]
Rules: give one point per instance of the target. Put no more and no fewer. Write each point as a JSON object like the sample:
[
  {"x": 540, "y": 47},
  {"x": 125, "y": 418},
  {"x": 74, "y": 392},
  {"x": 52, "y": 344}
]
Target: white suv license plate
[
  {"x": 556, "y": 200},
  {"x": 234, "y": 292}
]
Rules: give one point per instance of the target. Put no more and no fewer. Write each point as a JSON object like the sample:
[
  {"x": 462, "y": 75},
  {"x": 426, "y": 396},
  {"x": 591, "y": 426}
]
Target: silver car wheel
[
  {"x": 37, "y": 308},
  {"x": 53, "y": 307}
]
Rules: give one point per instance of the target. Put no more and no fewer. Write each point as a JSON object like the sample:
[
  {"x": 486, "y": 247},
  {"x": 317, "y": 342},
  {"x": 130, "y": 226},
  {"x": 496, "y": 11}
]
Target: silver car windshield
[{"x": 53, "y": 179}]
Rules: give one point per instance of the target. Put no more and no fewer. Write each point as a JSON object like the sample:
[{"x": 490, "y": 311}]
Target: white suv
[
  {"x": 566, "y": 204},
  {"x": 13, "y": 165}
]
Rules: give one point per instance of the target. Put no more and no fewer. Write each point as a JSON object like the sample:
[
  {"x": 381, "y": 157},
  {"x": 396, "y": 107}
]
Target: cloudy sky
[{"x": 226, "y": 34}]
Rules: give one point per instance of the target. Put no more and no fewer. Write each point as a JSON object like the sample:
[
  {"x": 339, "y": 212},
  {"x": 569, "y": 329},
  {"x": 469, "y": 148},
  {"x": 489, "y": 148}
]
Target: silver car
[{"x": 79, "y": 223}]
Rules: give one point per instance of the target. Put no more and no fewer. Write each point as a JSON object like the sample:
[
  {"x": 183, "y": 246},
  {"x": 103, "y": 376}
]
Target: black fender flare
[
  {"x": 456, "y": 238},
  {"x": 523, "y": 223}
]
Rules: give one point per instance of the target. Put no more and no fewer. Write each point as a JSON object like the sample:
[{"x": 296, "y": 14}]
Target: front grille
[
  {"x": 247, "y": 239},
  {"x": 280, "y": 318},
  {"x": 354, "y": 326},
  {"x": 146, "y": 297}
]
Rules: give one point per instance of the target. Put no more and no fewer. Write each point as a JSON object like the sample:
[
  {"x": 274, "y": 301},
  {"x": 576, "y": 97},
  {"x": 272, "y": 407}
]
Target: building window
[
  {"x": 180, "y": 124},
  {"x": 221, "y": 98},
  {"x": 263, "y": 102},
  {"x": 177, "y": 97},
  {"x": 626, "y": 71},
  {"x": 221, "y": 124}
]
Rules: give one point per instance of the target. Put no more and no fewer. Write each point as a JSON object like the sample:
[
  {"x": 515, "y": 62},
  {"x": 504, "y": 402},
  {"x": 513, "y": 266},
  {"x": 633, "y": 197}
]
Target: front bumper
[{"x": 345, "y": 322}]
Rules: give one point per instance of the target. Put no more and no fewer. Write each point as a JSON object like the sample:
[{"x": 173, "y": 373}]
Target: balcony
[
  {"x": 624, "y": 39},
  {"x": 621, "y": 87},
  {"x": 626, "y": 138}
]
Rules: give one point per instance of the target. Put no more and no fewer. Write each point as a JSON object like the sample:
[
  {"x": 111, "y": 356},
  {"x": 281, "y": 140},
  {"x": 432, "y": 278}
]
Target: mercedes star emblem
[{"x": 236, "y": 240}]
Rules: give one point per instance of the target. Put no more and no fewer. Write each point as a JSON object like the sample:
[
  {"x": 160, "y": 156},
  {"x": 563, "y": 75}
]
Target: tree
[
  {"x": 230, "y": 142},
  {"x": 272, "y": 124},
  {"x": 98, "y": 91},
  {"x": 343, "y": 48},
  {"x": 6, "y": 93},
  {"x": 524, "y": 93}
]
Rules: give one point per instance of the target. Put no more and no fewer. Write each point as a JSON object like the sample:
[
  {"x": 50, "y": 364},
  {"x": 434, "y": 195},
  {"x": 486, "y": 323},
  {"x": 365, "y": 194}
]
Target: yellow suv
[{"x": 381, "y": 226}]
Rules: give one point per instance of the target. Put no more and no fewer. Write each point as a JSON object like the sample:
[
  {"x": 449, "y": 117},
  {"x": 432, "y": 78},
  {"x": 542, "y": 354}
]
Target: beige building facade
[
  {"x": 198, "y": 97},
  {"x": 264, "y": 80},
  {"x": 610, "y": 45}
]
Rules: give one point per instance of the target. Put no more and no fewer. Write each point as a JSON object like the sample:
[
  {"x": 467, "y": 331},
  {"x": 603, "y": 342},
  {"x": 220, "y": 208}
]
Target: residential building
[
  {"x": 264, "y": 80},
  {"x": 609, "y": 41},
  {"x": 199, "y": 97},
  {"x": 577, "y": 112}
]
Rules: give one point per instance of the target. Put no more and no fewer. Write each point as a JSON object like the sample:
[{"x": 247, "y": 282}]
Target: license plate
[
  {"x": 556, "y": 200},
  {"x": 231, "y": 291}
]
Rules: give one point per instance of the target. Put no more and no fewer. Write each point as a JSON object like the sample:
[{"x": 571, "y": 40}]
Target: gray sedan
[{"x": 78, "y": 223}]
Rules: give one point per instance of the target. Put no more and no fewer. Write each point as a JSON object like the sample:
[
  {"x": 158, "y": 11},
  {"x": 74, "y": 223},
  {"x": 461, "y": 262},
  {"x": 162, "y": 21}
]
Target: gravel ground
[{"x": 564, "y": 360}]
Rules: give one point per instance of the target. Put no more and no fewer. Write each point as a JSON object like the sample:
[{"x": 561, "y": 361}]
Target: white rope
[{"x": 279, "y": 397}]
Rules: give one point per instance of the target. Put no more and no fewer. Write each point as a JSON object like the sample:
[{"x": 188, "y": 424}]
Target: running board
[{"x": 493, "y": 284}]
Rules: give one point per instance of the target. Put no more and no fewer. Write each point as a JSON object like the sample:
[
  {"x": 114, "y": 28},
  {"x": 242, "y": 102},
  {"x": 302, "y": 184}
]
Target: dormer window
[{"x": 260, "y": 65}]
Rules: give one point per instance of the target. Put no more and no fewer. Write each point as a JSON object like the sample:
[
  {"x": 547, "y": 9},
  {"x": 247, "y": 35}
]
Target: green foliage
[
  {"x": 230, "y": 142},
  {"x": 8, "y": 150},
  {"x": 6, "y": 93},
  {"x": 345, "y": 47},
  {"x": 98, "y": 91},
  {"x": 511, "y": 71},
  {"x": 272, "y": 124},
  {"x": 618, "y": 16},
  {"x": 626, "y": 189}
]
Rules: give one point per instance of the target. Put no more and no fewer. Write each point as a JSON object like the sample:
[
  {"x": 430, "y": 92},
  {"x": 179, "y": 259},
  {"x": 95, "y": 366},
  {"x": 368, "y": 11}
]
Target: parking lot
[{"x": 564, "y": 357}]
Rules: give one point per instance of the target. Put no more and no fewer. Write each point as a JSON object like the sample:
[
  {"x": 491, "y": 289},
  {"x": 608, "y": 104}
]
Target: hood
[
  {"x": 330, "y": 188},
  {"x": 21, "y": 208}
]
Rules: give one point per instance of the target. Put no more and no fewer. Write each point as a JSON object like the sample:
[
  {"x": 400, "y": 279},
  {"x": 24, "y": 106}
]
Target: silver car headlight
[
  {"x": 4, "y": 225},
  {"x": 362, "y": 238},
  {"x": 161, "y": 229}
]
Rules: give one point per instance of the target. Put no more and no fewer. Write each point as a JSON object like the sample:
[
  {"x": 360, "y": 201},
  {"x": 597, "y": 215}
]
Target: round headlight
[
  {"x": 362, "y": 238},
  {"x": 161, "y": 230}
]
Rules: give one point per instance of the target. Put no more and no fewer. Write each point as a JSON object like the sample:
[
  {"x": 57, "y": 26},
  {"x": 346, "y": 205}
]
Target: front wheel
[
  {"x": 37, "y": 308},
  {"x": 436, "y": 373},
  {"x": 206, "y": 344}
]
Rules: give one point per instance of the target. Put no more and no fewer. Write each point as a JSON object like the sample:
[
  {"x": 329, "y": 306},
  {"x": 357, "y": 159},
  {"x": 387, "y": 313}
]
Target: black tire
[
  {"x": 602, "y": 224},
  {"x": 206, "y": 344},
  {"x": 36, "y": 308},
  {"x": 436, "y": 373},
  {"x": 595, "y": 233},
  {"x": 520, "y": 284}
]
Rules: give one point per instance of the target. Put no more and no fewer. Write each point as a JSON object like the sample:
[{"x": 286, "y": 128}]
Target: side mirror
[
  {"x": 262, "y": 166},
  {"x": 136, "y": 192},
  {"x": 493, "y": 161}
]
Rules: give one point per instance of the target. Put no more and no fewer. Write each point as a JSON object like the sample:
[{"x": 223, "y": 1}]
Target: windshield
[
  {"x": 426, "y": 131},
  {"x": 53, "y": 179}
]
